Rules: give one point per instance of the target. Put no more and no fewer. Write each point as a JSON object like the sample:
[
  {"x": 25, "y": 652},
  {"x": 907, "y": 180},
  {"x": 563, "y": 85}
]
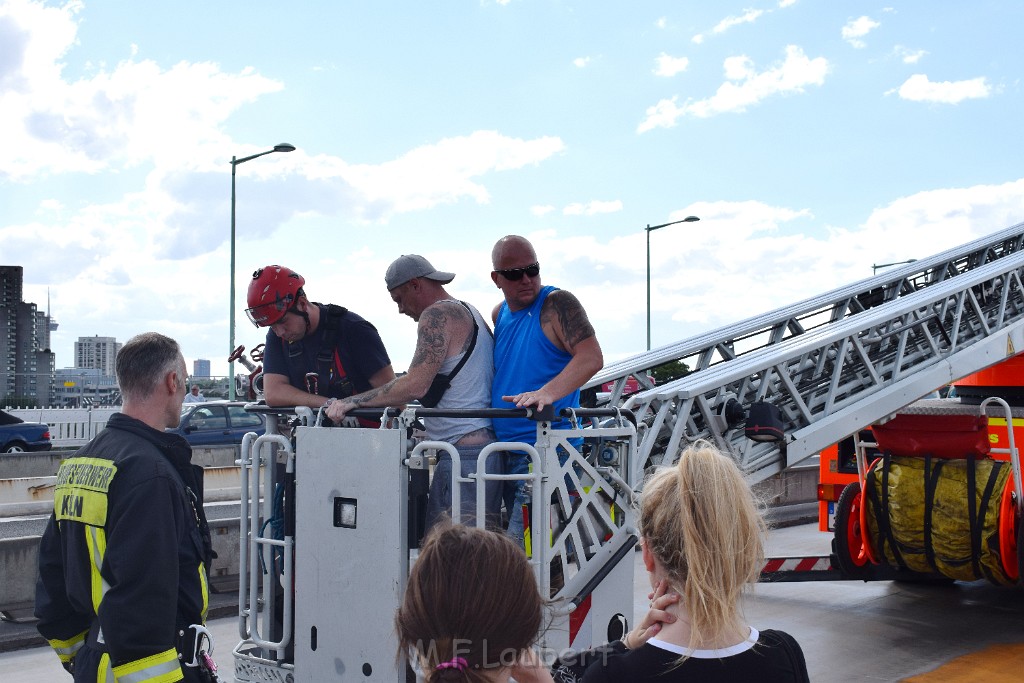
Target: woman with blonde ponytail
[{"x": 702, "y": 538}]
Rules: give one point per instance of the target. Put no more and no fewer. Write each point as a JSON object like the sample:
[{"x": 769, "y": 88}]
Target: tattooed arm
[
  {"x": 438, "y": 326},
  {"x": 566, "y": 325}
]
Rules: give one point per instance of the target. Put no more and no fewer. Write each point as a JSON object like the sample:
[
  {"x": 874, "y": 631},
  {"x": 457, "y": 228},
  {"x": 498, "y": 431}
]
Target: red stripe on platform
[
  {"x": 806, "y": 564},
  {"x": 576, "y": 618}
]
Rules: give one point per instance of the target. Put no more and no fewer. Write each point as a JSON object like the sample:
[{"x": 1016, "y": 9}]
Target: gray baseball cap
[{"x": 408, "y": 266}]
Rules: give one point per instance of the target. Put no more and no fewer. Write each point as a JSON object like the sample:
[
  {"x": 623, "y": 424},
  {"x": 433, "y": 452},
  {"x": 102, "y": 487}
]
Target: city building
[
  {"x": 85, "y": 386},
  {"x": 98, "y": 353},
  {"x": 26, "y": 361},
  {"x": 201, "y": 368}
]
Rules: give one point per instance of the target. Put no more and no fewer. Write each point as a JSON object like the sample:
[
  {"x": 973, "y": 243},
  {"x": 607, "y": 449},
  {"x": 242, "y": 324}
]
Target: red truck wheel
[{"x": 1009, "y": 533}]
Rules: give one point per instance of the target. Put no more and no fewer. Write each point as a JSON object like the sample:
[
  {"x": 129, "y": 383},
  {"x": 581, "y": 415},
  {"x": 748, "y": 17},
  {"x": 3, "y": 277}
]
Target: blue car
[
  {"x": 18, "y": 436},
  {"x": 217, "y": 423}
]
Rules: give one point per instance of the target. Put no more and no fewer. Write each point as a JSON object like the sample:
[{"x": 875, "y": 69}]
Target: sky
[{"x": 814, "y": 139}]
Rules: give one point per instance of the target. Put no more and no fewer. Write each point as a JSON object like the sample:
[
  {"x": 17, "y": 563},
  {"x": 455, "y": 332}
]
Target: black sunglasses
[{"x": 516, "y": 274}]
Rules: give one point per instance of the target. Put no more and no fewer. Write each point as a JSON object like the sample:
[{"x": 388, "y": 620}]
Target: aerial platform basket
[{"x": 939, "y": 502}]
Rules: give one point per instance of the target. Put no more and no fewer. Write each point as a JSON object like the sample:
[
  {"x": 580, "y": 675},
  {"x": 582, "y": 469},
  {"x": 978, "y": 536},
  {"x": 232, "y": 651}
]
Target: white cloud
[
  {"x": 787, "y": 3},
  {"x": 581, "y": 62},
  {"x": 592, "y": 208},
  {"x": 908, "y": 56},
  {"x": 855, "y": 29},
  {"x": 668, "y": 66},
  {"x": 697, "y": 39},
  {"x": 748, "y": 17},
  {"x": 661, "y": 22},
  {"x": 156, "y": 132},
  {"x": 446, "y": 171},
  {"x": 541, "y": 210},
  {"x": 134, "y": 113},
  {"x": 744, "y": 87},
  {"x": 918, "y": 88}
]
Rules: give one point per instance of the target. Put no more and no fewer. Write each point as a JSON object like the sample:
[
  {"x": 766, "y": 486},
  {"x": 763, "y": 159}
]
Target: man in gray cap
[{"x": 451, "y": 368}]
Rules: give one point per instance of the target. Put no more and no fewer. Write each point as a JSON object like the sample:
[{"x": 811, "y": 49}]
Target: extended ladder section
[{"x": 834, "y": 363}]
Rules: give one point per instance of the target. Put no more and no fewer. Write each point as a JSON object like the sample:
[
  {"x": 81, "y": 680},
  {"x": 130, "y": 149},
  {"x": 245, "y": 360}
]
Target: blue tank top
[{"x": 525, "y": 360}]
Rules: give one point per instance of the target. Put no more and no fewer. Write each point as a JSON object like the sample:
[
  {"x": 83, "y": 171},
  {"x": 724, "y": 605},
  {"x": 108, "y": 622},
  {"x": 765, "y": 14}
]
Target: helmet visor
[{"x": 267, "y": 314}]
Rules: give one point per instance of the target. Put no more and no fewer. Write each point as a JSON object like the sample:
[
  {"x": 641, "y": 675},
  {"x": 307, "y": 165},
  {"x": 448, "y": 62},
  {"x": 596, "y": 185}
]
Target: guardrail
[{"x": 68, "y": 426}]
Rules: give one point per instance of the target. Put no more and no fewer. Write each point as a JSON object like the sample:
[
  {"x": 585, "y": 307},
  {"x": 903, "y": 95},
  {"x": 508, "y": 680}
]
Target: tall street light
[
  {"x": 649, "y": 229},
  {"x": 283, "y": 147}
]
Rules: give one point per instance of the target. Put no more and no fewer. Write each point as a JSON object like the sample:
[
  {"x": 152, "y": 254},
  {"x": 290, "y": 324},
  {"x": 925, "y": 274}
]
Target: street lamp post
[
  {"x": 649, "y": 229},
  {"x": 283, "y": 147}
]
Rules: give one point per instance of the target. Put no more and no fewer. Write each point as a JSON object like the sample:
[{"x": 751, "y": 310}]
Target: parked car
[
  {"x": 18, "y": 436},
  {"x": 218, "y": 423}
]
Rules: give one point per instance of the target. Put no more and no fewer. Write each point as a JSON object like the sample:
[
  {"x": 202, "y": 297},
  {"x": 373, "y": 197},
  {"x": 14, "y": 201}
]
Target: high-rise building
[
  {"x": 26, "y": 361},
  {"x": 97, "y": 352},
  {"x": 200, "y": 367}
]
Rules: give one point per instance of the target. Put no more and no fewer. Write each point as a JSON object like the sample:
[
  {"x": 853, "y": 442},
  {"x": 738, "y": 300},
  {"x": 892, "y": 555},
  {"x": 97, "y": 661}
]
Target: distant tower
[
  {"x": 26, "y": 362},
  {"x": 200, "y": 367},
  {"x": 52, "y": 324}
]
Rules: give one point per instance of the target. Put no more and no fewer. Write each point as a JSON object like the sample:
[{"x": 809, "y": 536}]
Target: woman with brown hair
[
  {"x": 702, "y": 536},
  {"x": 472, "y": 610}
]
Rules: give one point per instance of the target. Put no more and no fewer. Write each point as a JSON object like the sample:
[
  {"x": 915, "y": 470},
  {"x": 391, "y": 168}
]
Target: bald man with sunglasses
[{"x": 545, "y": 349}]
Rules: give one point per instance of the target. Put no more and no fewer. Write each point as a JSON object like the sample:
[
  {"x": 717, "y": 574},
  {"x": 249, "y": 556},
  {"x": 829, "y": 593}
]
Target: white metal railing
[{"x": 68, "y": 426}]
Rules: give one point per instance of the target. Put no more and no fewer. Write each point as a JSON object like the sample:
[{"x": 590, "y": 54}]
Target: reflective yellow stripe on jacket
[
  {"x": 67, "y": 649},
  {"x": 160, "y": 668}
]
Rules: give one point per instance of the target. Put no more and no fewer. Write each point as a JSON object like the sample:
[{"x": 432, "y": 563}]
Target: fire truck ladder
[{"x": 834, "y": 363}]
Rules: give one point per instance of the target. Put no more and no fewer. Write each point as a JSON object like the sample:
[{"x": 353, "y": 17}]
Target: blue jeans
[
  {"x": 439, "y": 500},
  {"x": 517, "y": 495}
]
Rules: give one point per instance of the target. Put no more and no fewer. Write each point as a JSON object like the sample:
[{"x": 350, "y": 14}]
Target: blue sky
[{"x": 812, "y": 138}]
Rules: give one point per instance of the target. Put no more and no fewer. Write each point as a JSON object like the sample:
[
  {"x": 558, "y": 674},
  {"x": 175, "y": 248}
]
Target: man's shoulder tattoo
[{"x": 563, "y": 308}]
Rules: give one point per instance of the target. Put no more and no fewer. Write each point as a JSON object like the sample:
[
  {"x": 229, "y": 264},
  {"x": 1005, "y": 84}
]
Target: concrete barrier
[
  {"x": 34, "y": 495},
  {"x": 45, "y": 463},
  {"x": 19, "y": 565}
]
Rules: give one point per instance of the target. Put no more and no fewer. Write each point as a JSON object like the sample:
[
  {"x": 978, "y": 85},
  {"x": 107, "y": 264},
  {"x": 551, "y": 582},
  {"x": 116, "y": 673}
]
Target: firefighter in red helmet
[{"x": 314, "y": 352}]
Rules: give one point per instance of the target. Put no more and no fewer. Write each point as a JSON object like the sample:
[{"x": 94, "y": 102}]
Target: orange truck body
[{"x": 838, "y": 464}]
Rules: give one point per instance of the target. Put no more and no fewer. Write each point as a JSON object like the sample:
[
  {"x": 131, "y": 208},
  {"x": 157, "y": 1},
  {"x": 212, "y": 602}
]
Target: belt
[{"x": 185, "y": 638}]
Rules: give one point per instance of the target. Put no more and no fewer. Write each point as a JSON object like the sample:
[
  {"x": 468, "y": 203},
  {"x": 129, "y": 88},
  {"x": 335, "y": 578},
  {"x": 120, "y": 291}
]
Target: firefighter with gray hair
[{"x": 123, "y": 584}]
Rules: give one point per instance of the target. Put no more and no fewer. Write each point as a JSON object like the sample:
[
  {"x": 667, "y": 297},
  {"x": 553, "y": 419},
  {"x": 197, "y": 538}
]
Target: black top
[{"x": 774, "y": 658}]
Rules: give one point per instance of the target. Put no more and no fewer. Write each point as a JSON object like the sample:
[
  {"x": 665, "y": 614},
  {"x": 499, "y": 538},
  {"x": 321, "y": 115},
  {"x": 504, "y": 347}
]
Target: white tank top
[{"x": 471, "y": 388}]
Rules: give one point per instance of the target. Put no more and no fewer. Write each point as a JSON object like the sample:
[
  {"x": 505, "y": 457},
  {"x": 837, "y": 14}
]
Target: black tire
[
  {"x": 15, "y": 447},
  {"x": 852, "y": 562}
]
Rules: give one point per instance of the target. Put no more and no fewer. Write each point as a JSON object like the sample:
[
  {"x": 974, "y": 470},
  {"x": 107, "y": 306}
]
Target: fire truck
[
  {"x": 323, "y": 571},
  {"x": 977, "y": 426}
]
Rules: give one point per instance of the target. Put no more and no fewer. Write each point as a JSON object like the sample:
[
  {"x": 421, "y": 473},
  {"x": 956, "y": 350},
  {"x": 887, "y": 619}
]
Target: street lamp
[
  {"x": 283, "y": 147},
  {"x": 649, "y": 229}
]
